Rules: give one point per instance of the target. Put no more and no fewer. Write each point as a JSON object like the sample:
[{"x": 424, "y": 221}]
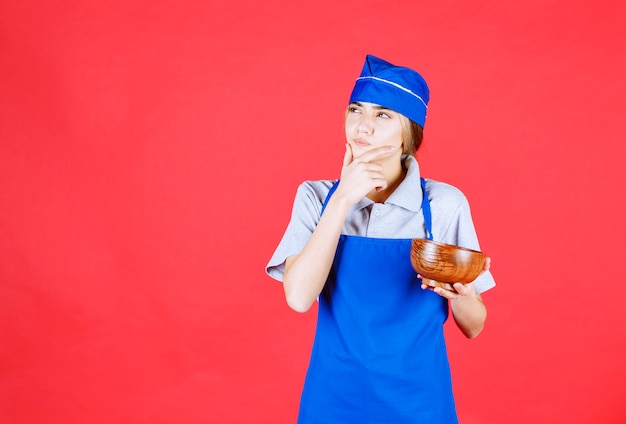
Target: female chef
[{"x": 379, "y": 354}]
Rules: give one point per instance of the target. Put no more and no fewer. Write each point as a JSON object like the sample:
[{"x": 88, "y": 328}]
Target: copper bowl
[{"x": 441, "y": 264}]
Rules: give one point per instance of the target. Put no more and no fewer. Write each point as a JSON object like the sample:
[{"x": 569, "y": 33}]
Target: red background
[{"x": 150, "y": 151}]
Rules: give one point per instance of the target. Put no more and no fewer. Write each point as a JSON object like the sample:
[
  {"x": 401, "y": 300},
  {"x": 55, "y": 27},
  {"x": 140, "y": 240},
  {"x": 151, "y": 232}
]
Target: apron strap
[
  {"x": 428, "y": 221},
  {"x": 330, "y": 193}
]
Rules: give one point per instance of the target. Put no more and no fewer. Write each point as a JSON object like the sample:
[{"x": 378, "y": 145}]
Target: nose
[{"x": 365, "y": 125}]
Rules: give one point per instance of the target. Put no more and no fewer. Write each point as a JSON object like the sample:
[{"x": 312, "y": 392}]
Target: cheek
[
  {"x": 396, "y": 137},
  {"x": 349, "y": 125}
]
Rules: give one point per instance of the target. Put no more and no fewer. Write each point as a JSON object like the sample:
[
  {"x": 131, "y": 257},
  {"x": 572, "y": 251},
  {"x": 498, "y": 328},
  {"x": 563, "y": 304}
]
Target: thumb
[{"x": 347, "y": 157}]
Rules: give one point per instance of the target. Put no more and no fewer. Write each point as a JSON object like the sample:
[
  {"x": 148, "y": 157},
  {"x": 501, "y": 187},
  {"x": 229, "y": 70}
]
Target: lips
[{"x": 360, "y": 142}]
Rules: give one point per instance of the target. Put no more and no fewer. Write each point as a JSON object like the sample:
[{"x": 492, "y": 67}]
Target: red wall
[{"x": 150, "y": 151}]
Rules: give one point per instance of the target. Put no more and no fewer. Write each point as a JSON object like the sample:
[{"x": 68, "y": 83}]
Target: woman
[{"x": 379, "y": 352}]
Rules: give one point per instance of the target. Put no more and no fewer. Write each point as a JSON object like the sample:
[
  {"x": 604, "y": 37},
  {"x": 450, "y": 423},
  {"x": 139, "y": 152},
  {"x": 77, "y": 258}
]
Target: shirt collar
[{"x": 408, "y": 194}]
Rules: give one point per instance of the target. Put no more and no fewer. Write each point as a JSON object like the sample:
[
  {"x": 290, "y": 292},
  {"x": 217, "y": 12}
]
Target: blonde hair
[{"x": 412, "y": 135}]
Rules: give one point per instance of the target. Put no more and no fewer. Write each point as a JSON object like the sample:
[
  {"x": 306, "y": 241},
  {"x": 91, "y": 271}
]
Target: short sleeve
[
  {"x": 450, "y": 205},
  {"x": 305, "y": 215}
]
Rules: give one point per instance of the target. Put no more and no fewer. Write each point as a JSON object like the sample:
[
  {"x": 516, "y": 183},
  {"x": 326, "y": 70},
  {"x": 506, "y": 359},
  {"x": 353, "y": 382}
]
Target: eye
[
  {"x": 383, "y": 115},
  {"x": 353, "y": 109}
]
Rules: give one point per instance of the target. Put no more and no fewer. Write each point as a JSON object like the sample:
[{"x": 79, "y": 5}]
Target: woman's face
[{"x": 369, "y": 125}]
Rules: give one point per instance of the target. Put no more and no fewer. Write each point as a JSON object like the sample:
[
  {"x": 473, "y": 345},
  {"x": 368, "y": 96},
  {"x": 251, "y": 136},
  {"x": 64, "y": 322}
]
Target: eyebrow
[{"x": 377, "y": 107}]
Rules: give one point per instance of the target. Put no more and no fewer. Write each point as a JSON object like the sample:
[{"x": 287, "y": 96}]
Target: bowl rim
[{"x": 440, "y": 243}]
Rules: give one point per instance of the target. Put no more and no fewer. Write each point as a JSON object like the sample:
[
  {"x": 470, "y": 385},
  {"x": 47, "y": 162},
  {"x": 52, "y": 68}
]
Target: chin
[{"x": 359, "y": 150}]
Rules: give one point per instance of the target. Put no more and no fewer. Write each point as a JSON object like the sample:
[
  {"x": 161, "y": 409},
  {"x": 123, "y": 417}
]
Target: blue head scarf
[{"x": 394, "y": 87}]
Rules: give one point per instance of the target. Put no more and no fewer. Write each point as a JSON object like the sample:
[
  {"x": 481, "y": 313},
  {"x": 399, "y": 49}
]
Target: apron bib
[{"x": 379, "y": 353}]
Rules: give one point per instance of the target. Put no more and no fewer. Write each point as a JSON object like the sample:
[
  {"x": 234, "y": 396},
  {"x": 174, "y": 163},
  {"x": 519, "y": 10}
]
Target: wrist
[{"x": 339, "y": 203}]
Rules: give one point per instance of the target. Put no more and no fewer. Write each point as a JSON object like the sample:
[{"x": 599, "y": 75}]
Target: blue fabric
[
  {"x": 394, "y": 87},
  {"x": 330, "y": 193},
  {"x": 379, "y": 353},
  {"x": 428, "y": 219}
]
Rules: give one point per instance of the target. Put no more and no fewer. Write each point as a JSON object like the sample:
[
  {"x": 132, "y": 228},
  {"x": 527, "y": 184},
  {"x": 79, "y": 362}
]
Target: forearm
[
  {"x": 469, "y": 313},
  {"x": 306, "y": 273}
]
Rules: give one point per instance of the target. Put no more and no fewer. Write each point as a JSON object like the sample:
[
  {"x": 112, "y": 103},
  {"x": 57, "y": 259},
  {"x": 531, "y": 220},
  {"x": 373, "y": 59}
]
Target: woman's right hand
[{"x": 361, "y": 175}]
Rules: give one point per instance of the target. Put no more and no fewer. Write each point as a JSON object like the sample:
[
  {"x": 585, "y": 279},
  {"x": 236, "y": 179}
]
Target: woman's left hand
[
  {"x": 452, "y": 291},
  {"x": 456, "y": 290},
  {"x": 467, "y": 306}
]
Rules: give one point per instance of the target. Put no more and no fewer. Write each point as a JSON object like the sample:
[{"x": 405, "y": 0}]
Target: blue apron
[{"x": 379, "y": 354}]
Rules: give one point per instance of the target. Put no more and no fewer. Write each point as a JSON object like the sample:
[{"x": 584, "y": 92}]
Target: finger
[
  {"x": 444, "y": 293},
  {"x": 460, "y": 289},
  {"x": 372, "y": 172},
  {"x": 377, "y": 153},
  {"x": 347, "y": 157},
  {"x": 380, "y": 183}
]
